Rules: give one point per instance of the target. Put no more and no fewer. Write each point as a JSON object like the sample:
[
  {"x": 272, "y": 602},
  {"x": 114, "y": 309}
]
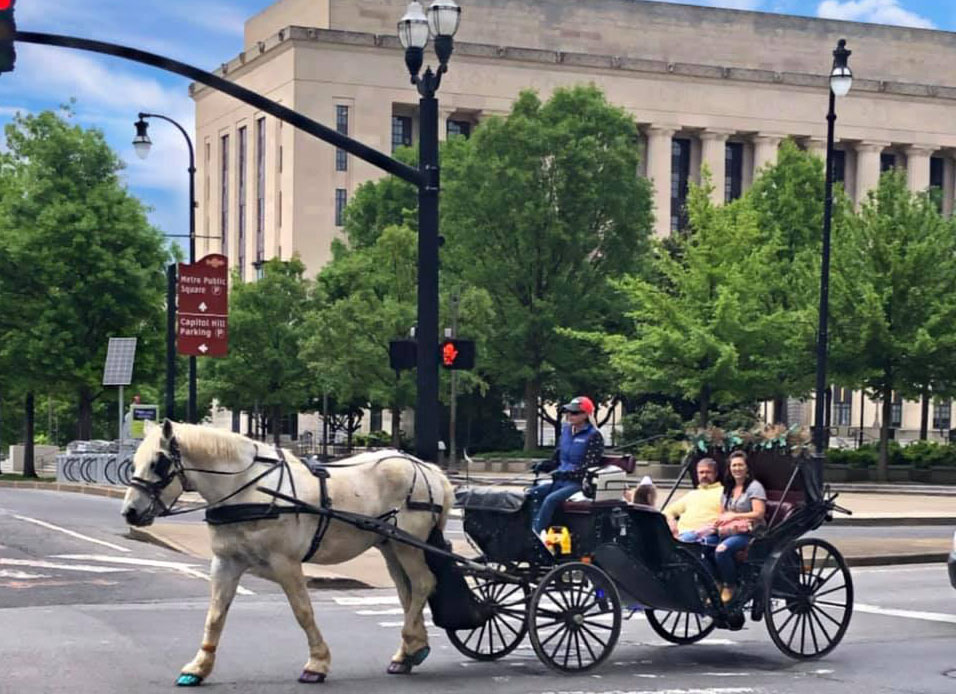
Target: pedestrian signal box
[
  {"x": 8, "y": 30},
  {"x": 402, "y": 354},
  {"x": 458, "y": 354}
]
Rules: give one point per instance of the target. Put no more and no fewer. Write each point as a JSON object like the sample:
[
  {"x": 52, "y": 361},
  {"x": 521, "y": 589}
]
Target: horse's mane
[{"x": 211, "y": 444}]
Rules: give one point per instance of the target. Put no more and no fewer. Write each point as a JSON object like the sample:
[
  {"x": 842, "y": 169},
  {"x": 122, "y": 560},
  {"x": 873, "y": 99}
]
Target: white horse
[{"x": 175, "y": 457}]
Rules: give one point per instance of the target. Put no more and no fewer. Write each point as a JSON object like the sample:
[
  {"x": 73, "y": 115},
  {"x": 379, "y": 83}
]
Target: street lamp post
[
  {"x": 142, "y": 144},
  {"x": 841, "y": 79},
  {"x": 414, "y": 29}
]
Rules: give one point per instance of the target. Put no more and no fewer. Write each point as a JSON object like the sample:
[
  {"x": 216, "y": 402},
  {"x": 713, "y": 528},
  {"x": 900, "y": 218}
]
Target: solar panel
[{"x": 119, "y": 361}]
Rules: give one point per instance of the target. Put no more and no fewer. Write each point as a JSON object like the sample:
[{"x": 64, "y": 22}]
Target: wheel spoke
[
  {"x": 587, "y": 645},
  {"x": 564, "y": 632},
  {"x": 501, "y": 636},
  {"x": 813, "y": 633},
  {"x": 826, "y": 634},
  {"x": 828, "y": 616},
  {"x": 507, "y": 624},
  {"x": 818, "y": 594},
  {"x": 686, "y": 624},
  {"x": 803, "y": 633},
  {"x": 553, "y": 634},
  {"x": 594, "y": 636},
  {"x": 838, "y": 605},
  {"x": 598, "y": 625}
]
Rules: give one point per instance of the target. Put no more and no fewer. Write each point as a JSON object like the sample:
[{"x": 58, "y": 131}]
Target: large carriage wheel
[
  {"x": 681, "y": 628},
  {"x": 809, "y": 601},
  {"x": 505, "y": 628},
  {"x": 574, "y": 617}
]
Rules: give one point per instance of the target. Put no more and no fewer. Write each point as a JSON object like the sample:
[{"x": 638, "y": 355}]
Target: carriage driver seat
[{"x": 606, "y": 493}]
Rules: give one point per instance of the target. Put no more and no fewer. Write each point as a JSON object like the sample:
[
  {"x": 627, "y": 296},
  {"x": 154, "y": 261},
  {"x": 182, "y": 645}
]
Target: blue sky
[{"x": 110, "y": 92}]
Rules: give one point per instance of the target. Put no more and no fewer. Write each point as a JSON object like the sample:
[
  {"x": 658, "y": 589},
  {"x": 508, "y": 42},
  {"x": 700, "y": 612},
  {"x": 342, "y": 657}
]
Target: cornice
[{"x": 609, "y": 63}]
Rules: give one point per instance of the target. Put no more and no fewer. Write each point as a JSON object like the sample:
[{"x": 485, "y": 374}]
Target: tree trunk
[
  {"x": 29, "y": 469},
  {"x": 883, "y": 461},
  {"x": 531, "y": 415},
  {"x": 704, "y": 406},
  {"x": 84, "y": 414},
  {"x": 396, "y": 427},
  {"x": 276, "y": 423},
  {"x": 780, "y": 410},
  {"x": 924, "y": 415}
]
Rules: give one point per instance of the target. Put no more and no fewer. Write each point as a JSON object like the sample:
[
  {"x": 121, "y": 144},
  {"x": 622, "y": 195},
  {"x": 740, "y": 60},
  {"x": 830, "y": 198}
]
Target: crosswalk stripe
[{"x": 71, "y": 533}]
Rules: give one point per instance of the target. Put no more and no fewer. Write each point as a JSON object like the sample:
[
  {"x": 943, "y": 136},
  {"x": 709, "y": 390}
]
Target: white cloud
[{"x": 876, "y": 11}]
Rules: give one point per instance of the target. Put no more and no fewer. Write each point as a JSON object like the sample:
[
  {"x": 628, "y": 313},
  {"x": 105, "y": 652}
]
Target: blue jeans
[
  {"x": 545, "y": 499},
  {"x": 724, "y": 556}
]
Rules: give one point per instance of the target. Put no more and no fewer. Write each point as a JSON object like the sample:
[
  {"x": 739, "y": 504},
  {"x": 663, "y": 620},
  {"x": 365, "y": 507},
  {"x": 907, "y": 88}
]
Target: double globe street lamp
[
  {"x": 414, "y": 30},
  {"x": 142, "y": 144},
  {"x": 841, "y": 79}
]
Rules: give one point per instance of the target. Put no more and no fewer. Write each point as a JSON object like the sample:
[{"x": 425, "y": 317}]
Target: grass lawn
[{"x": 9, "y": 477}]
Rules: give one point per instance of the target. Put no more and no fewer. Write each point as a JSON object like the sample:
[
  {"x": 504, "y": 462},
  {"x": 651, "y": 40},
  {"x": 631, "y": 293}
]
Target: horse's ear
[{"x": 167, "y": 430}]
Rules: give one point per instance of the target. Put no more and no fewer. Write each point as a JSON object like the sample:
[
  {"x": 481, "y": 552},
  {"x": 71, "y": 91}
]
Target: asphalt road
[{"x": 77, "y": 615}]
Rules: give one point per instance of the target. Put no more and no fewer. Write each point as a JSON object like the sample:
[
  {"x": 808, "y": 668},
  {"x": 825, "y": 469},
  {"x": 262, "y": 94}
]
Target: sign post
[
  {"x": 203, "y": 307},
  {"x": 118, "y": 371}
]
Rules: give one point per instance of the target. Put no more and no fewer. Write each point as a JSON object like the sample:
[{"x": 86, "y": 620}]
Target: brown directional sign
[{"x": 203, "y": 307}]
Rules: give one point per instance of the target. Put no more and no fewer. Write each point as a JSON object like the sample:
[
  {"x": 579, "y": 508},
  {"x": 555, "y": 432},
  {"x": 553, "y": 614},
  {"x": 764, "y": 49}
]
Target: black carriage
[{"x": 624, "y": 556}]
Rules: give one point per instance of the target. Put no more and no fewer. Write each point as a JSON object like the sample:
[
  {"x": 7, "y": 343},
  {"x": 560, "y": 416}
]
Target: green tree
[
  {"x": 893, "y": 311},
  {"x": 266, "y": 333},
  {"x": 365, "y": 298},
  {"x": 788, "y": 201},
  {"x": 88, "y": 264},
  {"x": 696, "y": 329},
  {"x": 539, "y": 210}
]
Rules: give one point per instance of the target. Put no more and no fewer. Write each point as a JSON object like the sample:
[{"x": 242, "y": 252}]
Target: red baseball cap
[{"x": 582, "y": 403}]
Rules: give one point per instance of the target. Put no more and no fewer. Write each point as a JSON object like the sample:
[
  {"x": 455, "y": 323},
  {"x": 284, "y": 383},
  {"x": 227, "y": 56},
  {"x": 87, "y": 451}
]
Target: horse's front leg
[
  {"x": 224, "y": 580},
  {"x": 289, "y": 575}
]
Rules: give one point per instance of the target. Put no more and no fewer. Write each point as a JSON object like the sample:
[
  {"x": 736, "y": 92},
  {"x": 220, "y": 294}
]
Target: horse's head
[{"x": 158, "y": 477}]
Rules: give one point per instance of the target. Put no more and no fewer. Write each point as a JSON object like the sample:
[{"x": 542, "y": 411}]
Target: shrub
[{"x": 651, "y": 420}]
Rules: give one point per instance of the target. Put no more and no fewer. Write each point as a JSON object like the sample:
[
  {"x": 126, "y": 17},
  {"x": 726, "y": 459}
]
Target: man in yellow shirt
[{"x": 699, "y": 508}]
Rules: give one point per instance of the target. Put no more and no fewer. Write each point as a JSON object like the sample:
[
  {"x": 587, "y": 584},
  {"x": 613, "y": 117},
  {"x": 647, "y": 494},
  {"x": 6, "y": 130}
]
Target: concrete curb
[
  {"x": 891, "y": 521},
  {"x": 74, "y": 487},
  {"x": 898, "y": 559}
]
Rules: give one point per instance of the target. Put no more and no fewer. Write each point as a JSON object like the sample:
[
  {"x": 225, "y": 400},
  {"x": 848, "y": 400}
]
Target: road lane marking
[
  {"x": 186, "y": 569},
  {"x": 355, "y": 600},
  {"x": 898, "y": 569},
  {"x": 21, "y": 575},
  {"x": 908, "y": 614},
  {"x": 708, "y": 690},
  {"x": 37, "y": 564},
  {"x": 71, "y": 533}
]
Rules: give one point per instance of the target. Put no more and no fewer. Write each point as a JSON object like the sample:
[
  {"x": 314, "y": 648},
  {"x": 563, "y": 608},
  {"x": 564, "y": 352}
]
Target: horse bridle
[{"x": 170, "y": 467}]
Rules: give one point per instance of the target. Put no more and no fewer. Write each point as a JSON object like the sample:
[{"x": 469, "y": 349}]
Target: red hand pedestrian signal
[
  {"x": 458, "y": 354},
  {"x": 8, "y": 29},
  {"x": 448, "y": 354}
]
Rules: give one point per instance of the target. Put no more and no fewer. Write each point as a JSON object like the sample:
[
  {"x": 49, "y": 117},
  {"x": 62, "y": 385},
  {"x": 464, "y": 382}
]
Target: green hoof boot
[
  {"x": 418, "y": 657},
  {"x": 186, "y": 680}
]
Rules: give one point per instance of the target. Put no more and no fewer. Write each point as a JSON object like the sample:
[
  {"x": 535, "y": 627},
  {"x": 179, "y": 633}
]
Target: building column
[
  {"x": 817, "y": 146},
  {"x": 713, "y": 146},
  {"x": 917, "y": 167},
  {"x": 765, "y": 151},
  {"x": 659, "y": 171},
  {"x": 867, "y": 168}
]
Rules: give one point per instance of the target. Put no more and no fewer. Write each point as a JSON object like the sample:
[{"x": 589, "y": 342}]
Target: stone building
[{"x": 706, "y": 86}]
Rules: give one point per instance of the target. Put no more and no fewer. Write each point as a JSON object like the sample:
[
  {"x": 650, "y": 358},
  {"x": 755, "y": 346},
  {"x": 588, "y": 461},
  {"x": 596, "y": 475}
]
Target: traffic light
[
  {"x": 458, "y": 354},
  {"x": 402, "y": 354},
  {"x": 8, "y": 29}
]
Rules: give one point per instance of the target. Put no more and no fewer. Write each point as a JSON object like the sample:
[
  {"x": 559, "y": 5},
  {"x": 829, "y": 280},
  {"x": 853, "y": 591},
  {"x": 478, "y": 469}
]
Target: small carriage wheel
[
  {"x": 504, "y": 630},
  {"x": 682, "y": 628},
  {"x": 809, "y": 601},
  {"x": 574, "y": 618}
]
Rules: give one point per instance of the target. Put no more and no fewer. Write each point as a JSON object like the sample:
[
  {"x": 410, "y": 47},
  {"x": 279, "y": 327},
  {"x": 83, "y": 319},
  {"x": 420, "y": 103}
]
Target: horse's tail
[{"x": 447, "y": 500}]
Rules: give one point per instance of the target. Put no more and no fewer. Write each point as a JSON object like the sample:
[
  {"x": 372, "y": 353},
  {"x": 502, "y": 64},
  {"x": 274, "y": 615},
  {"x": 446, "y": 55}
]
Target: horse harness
[{"x": 171, "y": 467}]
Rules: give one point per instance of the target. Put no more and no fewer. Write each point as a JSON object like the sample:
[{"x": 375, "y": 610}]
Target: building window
[
  {"x": 224, "y": 194},
  {"x": 375, "y": 419},
  {"x": 458, "y": 127},
  {"x": 942, "y": 414},
  {"x": 341, "y": 126},
  {"x": 839, "y": 166},
  {"x": 517, "y": 411},
  {"x": 842, "y": 406},
  {"x": 340, "y": 200},
  {"x": 936, "y": 181},
  {"x": 887, "y": 161},
  {"x": 260, "y": 189},
  {"x": 242, "y": 156},
  {"x": 680, "y": 176},
  {"x": 733, "y": 171},
  {"x": 401, "y": 132},
  {"x": 896, "y": 411}
]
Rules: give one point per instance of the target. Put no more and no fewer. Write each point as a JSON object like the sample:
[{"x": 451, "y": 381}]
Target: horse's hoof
[
  {"x": 418, "y": 657},
  {"x": 187, "y": 680},
  {"x": 399, "y": 667},
  {"x": 309, "y": 677}
]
